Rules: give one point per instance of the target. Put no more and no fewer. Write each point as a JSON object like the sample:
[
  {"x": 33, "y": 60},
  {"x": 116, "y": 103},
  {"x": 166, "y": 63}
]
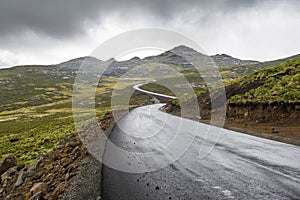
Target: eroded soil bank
[{"x": 276, "y": 121}]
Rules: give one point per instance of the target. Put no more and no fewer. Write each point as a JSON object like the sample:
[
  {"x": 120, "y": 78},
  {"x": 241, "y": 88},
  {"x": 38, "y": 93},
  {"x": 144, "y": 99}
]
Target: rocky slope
[
  {"x": 64, "y": 173},
  {"x": 46, "y": 178}
]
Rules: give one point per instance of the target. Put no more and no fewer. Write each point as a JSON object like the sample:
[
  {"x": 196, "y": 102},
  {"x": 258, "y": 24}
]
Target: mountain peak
[
  {"x": 81, "y": 59},
  {"x": 135, "y": 58},
  {"x": 182, "y": 48}
]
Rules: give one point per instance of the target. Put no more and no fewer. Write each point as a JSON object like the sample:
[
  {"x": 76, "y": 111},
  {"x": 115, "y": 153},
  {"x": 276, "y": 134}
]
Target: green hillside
[
  {"x": 36, "y": 101},
  {"x": 36, "y": 108},
  {"x": 277, "y": 84}
]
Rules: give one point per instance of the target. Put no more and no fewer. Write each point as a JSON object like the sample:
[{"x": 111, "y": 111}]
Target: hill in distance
[{"x": 38, "y": 84}]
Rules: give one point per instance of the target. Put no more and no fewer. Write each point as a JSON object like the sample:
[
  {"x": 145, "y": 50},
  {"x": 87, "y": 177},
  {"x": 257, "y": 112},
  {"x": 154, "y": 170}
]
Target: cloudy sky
[{"x": 52, "y": 31}]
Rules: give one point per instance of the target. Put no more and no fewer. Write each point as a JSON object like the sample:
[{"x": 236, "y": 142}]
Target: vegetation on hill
[
  {"x": 36, "y": 108},
  {"x": 279, "y": 84},
  {"x": 36, "y": 101},
  {"x": 153, "y": 87}
]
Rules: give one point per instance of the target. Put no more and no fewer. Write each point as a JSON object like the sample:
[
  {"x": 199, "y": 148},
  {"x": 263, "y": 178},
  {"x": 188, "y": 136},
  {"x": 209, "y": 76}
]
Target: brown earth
[
  {"x": 276, "y": 121},
  {"x": 285, "y": 130}
]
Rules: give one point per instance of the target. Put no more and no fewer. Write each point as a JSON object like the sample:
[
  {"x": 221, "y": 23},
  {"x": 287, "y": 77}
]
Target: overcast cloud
[{"x": 48, "y": 32}]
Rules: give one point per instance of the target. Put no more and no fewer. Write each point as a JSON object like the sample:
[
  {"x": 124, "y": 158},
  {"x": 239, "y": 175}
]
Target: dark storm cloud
[
  {"x": 52, "y": 31},
  {"x": 67, "y": 18},
  {"x": 57, "y": 18}
]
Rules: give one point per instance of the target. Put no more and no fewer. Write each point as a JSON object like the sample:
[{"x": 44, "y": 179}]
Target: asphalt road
[
  {"x": 237, "y": 166},
  {"x": 137, "y": 87}
]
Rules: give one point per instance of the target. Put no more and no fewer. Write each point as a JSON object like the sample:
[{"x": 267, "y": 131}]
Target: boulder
[
  {"x": 38, "y": 196},
  {"x": 7, "y": 163},
  {"x": 39, "y": 187},
  {"x": 21, "y": 178},
  {"x": 5, "y": 177},
  {"x": 36, "y": 164}
]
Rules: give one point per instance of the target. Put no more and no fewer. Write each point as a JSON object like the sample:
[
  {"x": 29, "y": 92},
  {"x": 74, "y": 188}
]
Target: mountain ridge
[{"x": 174, "y": 57}]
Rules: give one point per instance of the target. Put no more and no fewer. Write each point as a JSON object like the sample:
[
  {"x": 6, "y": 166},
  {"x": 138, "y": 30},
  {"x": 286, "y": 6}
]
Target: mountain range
[
  {"x": 227, "y": 65},
  {"x": 26, "y": 82}
]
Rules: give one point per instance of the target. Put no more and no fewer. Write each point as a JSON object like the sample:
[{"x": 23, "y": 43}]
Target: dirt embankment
[
  {"x": 277, "y": 120},
  {"x": 273, "y": 121},
  {"x": 264, "y": 112}
]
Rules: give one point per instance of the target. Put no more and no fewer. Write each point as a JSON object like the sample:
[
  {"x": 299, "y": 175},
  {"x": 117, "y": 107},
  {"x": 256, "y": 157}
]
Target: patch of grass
[
  {"x": 153, "y": 87},
  {"x": 281, "y": 84},
  {"x": 36, "y": 108},
  {"x": 36, "y": 135}
]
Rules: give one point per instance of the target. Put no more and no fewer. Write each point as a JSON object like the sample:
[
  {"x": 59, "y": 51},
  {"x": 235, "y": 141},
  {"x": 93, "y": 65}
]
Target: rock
[
  {"x": 8, "y": 174},
  {"x": 38, "y": 196},
  {"x": 7, "y": 163},
  {"x": 67, "y": 177},
  {"x": 39, "y": 162},
  {"x": 14, "y": 140},
  {"x": 20, "y": 166},
  {"x": 49, "y": 166},
  {"x": 36, "y": 164},
  {"x": 58, "y": 190},
  {"x": 65, "y": 162},
  {"x": 75, "y": 150},
  {"x": 4, "y": 177},
  {"x": 12, "y": 170},
  {"x": 72, "y": 144},
  {"x": 63, "y": 155},
  {"x": 27, "y": 196},
  {"x": 21, "y": 178},
  {"x": 274, "y": 130},
  {"x": 77, "y": 154},
  {"x": 68, "y": 151},
  {"x": 49, "y": 177},
  {"x": 67, "y": 144},
  {"x": 39, "y": 187}
]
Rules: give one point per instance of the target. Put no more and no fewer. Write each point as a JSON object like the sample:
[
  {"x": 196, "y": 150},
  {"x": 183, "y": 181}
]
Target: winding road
[
  {"x": 137, "y": 87},
  {"x": 217, "y": 163}
]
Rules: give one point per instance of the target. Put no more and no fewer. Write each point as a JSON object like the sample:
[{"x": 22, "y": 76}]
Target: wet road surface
[{"x": 218, "y": 163}]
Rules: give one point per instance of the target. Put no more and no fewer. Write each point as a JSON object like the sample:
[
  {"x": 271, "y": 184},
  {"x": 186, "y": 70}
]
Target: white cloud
[{"x": 7, "y": 58}]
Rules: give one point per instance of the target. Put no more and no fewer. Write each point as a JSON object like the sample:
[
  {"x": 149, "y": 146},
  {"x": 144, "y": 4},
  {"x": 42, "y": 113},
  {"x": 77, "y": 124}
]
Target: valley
[{"x": 37, "y": 105}]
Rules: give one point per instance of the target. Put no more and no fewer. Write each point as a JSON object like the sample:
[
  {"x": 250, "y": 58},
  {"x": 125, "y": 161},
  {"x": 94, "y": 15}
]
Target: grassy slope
[
  {"x": 36, "y": 102},
  {"x": 280, "y": 84},
  {"x": 274, "y": 84},
  {"x": 36, "y": 108}
]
